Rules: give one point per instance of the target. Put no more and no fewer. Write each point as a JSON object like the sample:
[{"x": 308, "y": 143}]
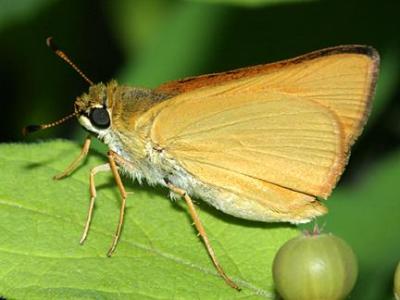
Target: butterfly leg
[
  {"x": 112, "y": 157},
  {"x": 76, "y": 162},
  {"x": 202, "y": 232},
  {"x": 92, "y": 189}
]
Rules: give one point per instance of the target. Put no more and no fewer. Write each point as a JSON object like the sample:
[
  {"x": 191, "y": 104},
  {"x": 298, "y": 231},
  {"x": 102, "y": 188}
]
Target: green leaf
[{"x": 159, "y": 254}]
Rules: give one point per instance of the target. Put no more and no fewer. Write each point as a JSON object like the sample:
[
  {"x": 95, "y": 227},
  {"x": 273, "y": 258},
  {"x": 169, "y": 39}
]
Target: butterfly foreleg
[{"x": 76, "y": 162}]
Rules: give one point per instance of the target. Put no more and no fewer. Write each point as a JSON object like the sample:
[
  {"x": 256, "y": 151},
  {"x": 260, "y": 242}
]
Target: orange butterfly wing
[{"x": 284, "y": 128}]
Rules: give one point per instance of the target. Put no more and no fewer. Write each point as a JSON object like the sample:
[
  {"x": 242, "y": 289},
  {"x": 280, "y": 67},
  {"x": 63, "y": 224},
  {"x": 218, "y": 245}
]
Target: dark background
[{"x": 146, "y": 43}]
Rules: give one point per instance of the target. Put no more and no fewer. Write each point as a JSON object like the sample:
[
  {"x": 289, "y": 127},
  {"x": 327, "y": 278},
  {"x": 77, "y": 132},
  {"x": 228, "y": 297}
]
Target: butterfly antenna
[
  {"x": 32, "y": 128},
  {"x": 63, "y": 56}
]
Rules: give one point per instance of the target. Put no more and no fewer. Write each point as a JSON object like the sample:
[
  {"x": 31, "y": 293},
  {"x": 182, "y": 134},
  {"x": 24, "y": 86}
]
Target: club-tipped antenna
[
  {"x": 63, "y": 56},
  {"x": 32, "y": 128}
]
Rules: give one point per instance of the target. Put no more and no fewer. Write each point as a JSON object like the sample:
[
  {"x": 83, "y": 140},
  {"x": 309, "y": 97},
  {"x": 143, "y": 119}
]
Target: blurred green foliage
[{"x": 148, "y": 42}]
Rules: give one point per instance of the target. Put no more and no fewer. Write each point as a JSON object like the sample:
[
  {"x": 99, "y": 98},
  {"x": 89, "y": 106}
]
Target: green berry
[{"x": 315, "y": 267}]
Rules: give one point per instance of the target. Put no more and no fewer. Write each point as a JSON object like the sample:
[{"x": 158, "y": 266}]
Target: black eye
[{"x": 99, "y": 117}]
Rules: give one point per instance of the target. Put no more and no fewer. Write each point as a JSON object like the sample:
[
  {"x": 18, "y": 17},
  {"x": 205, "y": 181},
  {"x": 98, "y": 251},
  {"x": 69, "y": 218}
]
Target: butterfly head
[{"x": 94, "y": 108}]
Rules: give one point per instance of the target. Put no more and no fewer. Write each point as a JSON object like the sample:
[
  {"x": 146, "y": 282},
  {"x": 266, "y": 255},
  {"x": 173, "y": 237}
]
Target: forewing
[{"x": 341, "y": 78}]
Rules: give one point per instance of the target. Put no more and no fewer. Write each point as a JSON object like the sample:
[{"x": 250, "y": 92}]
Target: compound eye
[{"x": 99, "y": 117}]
